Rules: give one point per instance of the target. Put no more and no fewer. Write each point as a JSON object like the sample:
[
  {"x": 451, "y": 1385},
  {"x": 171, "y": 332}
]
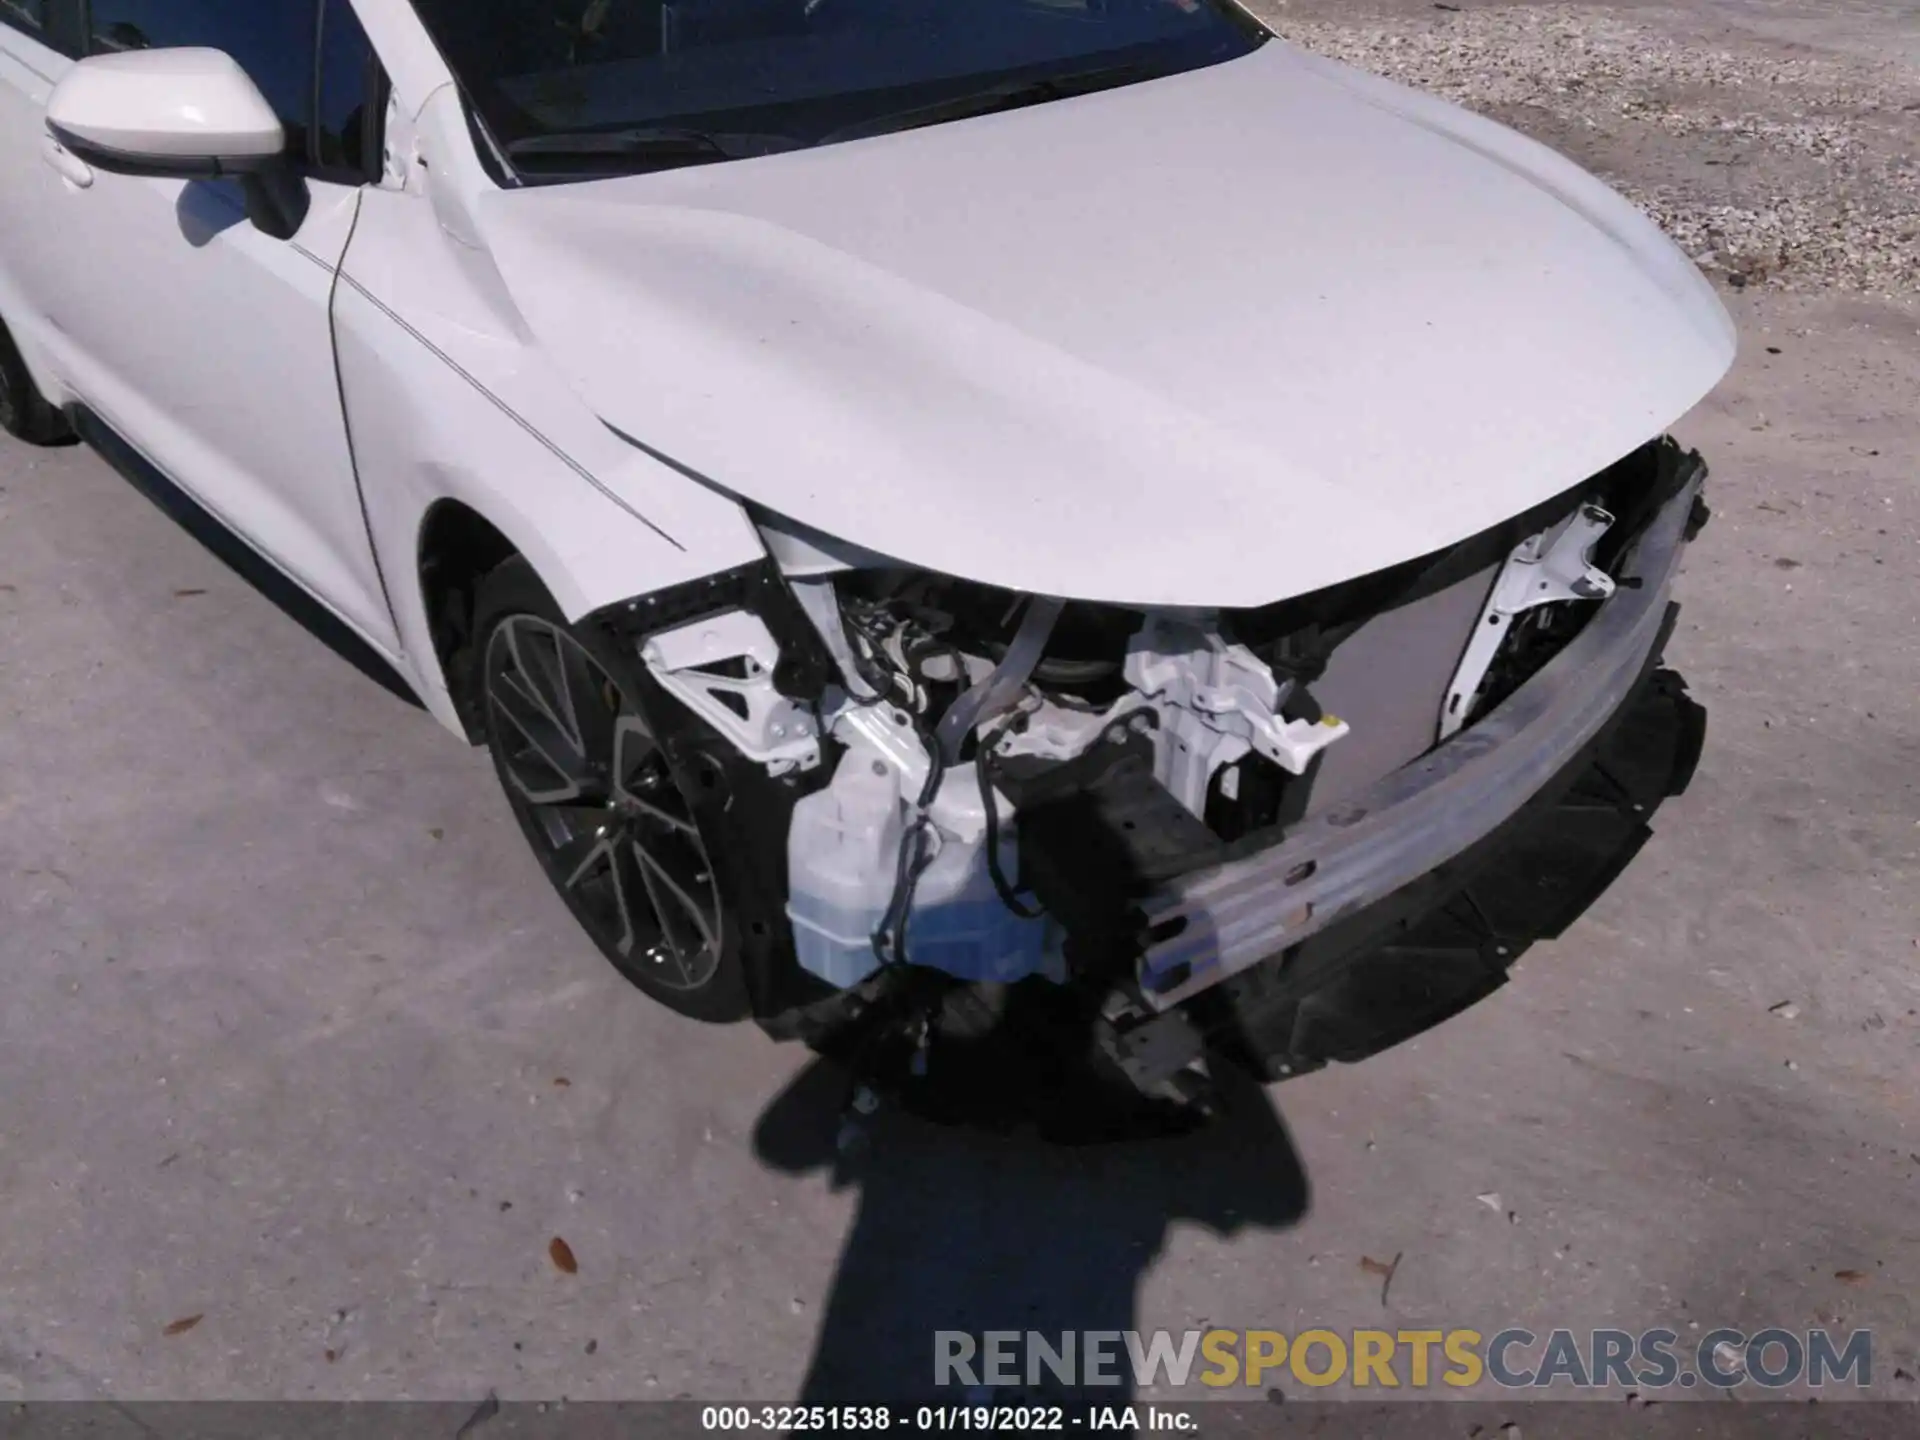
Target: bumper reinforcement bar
[{"x": 1212, "y": 924}]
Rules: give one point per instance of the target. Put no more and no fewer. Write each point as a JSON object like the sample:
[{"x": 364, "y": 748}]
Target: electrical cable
[
  {"x": 890, "y": 937},
  {"x": 1009, "y": 895},
  {"x": 975, "y": 706}
]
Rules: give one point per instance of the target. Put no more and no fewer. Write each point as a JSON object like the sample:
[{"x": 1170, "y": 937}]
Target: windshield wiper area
[
  {"x": 663, "y": 144},
  {"x": 1009, "y": 95}
]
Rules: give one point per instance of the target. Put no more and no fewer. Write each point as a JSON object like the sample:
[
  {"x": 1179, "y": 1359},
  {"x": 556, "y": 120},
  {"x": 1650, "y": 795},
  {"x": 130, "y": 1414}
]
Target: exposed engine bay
[{"x": 985, "y": 787}]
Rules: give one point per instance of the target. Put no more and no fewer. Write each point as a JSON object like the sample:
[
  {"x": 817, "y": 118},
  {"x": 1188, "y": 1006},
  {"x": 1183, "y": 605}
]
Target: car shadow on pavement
[{"x": 976, "y": 1221}]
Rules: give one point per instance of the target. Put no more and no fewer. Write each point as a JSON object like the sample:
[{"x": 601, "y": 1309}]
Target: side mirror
[{"x": 187, "y": 114}]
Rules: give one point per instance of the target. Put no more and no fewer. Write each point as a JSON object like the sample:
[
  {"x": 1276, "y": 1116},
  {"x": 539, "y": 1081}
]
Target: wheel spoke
[
  {"x": 582, "y": 856},
  {"x": 629, "y": 896},
  {"x": 530, "y": 689},
  {"x": 597, "y": 704},
  {"x": 662, "y": 816},
  {"x": 599, "y": 799},
  {"x": 536, "y": 656},
  {"x": 545, "y": 745},
  {"x": 670, "y": 899},
  {"x": 641, "y": 783}
]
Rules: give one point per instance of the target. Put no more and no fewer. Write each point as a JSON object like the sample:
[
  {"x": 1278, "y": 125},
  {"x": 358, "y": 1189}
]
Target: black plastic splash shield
[{"x": 1437, "y": 946}]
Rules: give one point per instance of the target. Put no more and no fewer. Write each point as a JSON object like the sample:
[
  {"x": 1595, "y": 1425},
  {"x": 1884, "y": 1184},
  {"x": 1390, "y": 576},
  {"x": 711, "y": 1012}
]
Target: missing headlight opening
[{"x": 1175, "y": 810}]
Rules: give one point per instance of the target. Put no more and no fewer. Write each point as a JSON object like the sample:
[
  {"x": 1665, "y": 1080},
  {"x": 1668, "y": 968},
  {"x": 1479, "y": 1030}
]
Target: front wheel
[{"x": 599, "y": 802}]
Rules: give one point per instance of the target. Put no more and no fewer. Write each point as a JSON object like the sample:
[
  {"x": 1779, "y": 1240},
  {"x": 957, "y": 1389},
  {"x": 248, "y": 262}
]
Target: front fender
[{"x": 446, "y": 399}]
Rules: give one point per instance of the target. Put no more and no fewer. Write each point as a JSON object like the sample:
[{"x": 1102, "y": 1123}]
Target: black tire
[
  {"x": 24, "y": 411},
  {"x": 600, "y": 806}
]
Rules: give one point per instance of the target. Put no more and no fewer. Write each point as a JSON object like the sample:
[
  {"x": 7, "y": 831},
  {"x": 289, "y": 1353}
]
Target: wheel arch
[{"x": 458, "y": 548}]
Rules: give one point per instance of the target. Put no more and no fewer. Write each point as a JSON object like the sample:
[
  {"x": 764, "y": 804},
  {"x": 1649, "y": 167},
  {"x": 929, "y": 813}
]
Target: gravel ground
[{"x": 1775, "y": 161}]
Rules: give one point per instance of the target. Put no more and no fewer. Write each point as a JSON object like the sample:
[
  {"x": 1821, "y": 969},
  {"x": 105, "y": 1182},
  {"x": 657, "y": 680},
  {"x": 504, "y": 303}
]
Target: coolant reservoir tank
[{"x": 843, "y": 850}]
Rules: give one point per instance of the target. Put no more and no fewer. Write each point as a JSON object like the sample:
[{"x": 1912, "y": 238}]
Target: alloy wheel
[{"x": 601, "y": 804}]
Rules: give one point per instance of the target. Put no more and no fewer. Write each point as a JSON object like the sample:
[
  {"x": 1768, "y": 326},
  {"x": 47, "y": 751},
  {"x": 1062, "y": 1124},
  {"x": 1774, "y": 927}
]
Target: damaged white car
[{"x": 917, "y": 495}]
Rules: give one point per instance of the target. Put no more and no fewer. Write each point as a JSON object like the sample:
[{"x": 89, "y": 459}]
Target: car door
[
  {"x": 38, "y": 39},
  {"x": 203, "y": 342}
]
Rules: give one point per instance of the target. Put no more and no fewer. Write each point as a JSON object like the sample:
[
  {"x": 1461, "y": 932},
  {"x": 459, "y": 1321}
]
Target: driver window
[
  {"x": 52, "y": 22},
  {"x": 28, "y": 15}
]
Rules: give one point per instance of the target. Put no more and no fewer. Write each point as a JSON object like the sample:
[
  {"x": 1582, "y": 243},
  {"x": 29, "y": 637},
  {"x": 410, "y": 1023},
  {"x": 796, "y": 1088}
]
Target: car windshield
[{"x": 571, "y": 86}]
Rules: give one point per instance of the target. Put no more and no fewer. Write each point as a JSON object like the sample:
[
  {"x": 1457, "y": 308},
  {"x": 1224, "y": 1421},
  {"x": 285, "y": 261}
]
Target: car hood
[{"x": 1213, "y": 340}]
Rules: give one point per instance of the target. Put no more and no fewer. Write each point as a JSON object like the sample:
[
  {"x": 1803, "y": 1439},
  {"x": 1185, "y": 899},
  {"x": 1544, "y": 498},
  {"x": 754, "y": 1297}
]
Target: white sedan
[{"x": 917, "y": 495}]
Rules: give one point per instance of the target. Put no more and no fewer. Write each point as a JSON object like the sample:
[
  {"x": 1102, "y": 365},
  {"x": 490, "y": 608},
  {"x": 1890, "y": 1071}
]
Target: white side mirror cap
[{"x": 185, "y": 112}]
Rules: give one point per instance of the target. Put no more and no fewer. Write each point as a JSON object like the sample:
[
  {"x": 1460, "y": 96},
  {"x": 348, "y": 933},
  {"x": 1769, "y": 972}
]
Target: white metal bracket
[
  {"x": 1054, "y": 732},
  {"x": 1217, "y": 703},
  {"x": 721, "y": 668},
  {"x": 1544, "y": 569}
]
